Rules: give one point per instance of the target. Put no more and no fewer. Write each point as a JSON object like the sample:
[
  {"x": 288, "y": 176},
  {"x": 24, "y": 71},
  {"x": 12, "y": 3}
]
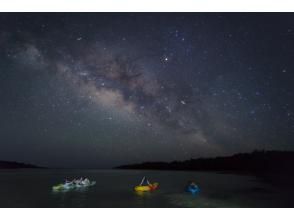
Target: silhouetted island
[
  {"x": 257, "y": 162},
  {"x": 16, "y": 165}
]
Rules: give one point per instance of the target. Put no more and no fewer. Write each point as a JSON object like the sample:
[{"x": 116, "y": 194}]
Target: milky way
[{"x": 101, "y": 89}]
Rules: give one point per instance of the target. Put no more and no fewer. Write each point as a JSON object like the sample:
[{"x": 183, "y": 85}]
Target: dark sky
[{"x": 103, "y": 89}]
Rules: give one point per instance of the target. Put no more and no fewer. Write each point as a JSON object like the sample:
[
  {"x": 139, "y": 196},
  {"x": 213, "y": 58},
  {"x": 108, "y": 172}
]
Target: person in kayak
[
  {"x": 79, "y": 181},
  {"x": 191, "y": 183},
  {"x": 146, "y": 186},
  {"x": 86, "y": 181},
  {"x": 76, "y": 181}
]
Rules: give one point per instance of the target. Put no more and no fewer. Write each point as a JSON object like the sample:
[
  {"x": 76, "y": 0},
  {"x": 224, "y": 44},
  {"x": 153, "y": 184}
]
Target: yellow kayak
[
  {"x": 142, "y": 188},
  {"x": 146, "y": 188}
]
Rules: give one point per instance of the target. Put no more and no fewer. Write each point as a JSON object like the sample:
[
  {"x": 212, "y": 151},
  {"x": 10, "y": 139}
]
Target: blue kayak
[{"x": 192, "y": 189}]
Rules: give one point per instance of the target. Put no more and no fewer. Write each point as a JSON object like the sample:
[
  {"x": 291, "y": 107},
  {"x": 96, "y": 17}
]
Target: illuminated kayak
[
  {"x": 92, "y": 183},
  {"x": 65, "y": 186},
  {"x": 194, "y": 189},
  {"x": 72, "y": 185},
  {"x": 146, "y": 188}
]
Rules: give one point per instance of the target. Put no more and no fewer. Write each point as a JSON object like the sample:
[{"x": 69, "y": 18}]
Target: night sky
[{"x": 104, "y": 89}]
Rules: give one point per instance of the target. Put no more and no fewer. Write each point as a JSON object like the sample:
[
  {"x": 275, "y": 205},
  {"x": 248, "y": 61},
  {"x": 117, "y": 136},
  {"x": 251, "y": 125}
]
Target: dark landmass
[
  {"x": 257, "y": 162},
  {"x": 16, "y": 165}
]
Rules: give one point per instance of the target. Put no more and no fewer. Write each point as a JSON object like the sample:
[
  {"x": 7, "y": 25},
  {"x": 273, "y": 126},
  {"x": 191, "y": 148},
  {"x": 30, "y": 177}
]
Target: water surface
[{"x": 114, "y": 188}]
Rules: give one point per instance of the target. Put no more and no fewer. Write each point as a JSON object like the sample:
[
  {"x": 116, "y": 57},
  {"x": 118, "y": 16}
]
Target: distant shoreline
[
  {"x": 16, "y": 165},
  {"x": 256, "y": 162}
]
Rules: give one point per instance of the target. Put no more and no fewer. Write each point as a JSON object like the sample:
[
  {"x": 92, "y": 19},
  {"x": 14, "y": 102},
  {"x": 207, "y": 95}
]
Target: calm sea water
[{"x": 114, "y": 188}]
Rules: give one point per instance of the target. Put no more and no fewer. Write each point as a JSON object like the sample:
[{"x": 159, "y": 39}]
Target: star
[{"x": 165, "y": 59}]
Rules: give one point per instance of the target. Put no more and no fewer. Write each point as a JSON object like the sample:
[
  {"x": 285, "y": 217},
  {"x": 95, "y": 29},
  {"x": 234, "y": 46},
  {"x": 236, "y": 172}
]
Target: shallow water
[{"x": 114, "y": 188}]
